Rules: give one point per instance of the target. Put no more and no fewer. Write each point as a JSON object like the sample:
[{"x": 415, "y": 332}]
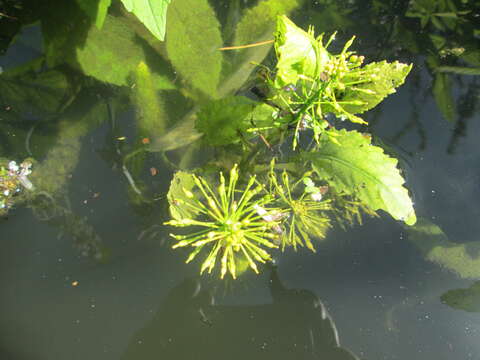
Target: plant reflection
[
  {"x": 464, "y": 299},
  {"x": 189, "y": 325}
]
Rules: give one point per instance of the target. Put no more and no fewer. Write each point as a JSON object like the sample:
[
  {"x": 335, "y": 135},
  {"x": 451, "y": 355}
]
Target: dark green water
[{"x": 93, "y": 275}]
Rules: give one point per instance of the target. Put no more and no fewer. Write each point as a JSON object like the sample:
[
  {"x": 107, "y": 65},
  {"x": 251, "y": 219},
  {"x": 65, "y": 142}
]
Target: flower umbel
[
  {"x": 306, "y": 207},
  {"x": 229, "y": 223}
]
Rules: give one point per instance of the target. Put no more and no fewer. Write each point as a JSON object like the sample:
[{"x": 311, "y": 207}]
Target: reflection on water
[
  {"x": 108, "y": 116},
  {"x": 189, "y": 325}
]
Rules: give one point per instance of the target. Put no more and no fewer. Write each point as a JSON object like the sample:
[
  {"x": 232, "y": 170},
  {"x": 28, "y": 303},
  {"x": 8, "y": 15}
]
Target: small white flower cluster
[{"x": 10, "y": 180}]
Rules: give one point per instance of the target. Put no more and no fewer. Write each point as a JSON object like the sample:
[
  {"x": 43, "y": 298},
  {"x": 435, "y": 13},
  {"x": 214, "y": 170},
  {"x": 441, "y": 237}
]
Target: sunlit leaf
[
  {"x": 442, "y": 92},
  {"x": 384, "y": 79},
  {"x": 152, "y": 13},
  {"x": 222, "y": 120},
  {"x": 354, "y": 166},
  {"x": 192, "y": 41},
  {"x": 182, "y": 185},
  {"x": 96, "y": 9},
  {"x": 298, "y": 53},
  {"x": 461, "y": 258},
  {"x": 113, "y": 53}
]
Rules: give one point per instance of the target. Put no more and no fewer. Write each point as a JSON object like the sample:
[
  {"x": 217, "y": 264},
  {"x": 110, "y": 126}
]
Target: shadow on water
[{"x": 189, "y": 325}]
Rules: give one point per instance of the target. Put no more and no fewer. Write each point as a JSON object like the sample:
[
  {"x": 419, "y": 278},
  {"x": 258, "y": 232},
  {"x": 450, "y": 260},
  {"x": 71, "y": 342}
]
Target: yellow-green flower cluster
[
  {"x": 306, "y": 208},
  {"x": 232, "y": 224}
]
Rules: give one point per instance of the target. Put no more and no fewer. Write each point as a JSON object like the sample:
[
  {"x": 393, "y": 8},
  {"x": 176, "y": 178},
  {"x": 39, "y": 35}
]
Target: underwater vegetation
[{"x": 328, "y": 173}]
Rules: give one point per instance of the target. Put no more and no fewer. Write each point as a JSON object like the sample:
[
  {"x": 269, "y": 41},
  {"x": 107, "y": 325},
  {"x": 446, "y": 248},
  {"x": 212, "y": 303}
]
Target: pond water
[{"x": 87, "y": 271}]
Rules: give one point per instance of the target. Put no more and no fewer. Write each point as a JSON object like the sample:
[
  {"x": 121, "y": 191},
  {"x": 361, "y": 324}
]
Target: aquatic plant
[
  {"x": 232, "y": 222},
  {"x": 339, "y": 176}
]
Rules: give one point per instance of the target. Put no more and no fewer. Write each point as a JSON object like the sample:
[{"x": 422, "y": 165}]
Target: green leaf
[
  {"x": 442, "y": 92},
  {"x": 192, "y": 42},
  {"x": 152, "y": 13},
  {"x": 182, "y": 134},
  {"x": 96, "y": 9},
  {"x": 258, "y": 22},
  {"x": 382, "y": 79},
  {"x": 298, "y": 53},
  {"x": 460, "y": 70},
  {"x": 151, "y": 119},
  {"x": 182, "y": 183},
  {"x": 256, "y": 25},
  {"x": 356, "y": 167},
  {"x": 461, "y": 258},
  {"x": 34, "y": 95},
  {"x": 113, "y": 53},
  {"x": 221, "y": 120},
  {"x": 464, "y": 299}
]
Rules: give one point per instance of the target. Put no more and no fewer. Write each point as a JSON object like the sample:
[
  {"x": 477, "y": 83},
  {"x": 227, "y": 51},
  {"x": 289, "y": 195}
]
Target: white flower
[
  {"x": 317, "y": 196},
  {"x": 12, "y": 165}
]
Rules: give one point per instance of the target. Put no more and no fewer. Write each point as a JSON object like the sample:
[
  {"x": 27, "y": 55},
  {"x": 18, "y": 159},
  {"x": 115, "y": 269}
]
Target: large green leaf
[
  {"x": 298, "y": 52},
  {"x": 192, "y": 41},
  {"x": 354, "y": 166},
  {"x": 461, "y": 258},
  {"x": 221, "y": 120},
  {"x": 152, "y": 13},
  {"x": 383, "y": 78},
  {"x": 96, "y": 9},
  {"x": 113, "y": 53},
  {"x": 442, "y": 92}
]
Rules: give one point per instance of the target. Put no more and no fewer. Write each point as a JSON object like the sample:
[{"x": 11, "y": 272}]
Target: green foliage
[
  {"x": 192, "y": 42},
  {"x": 152, "y": 13},
  {"x": 43, "y": 94},
  {"x": 221, "y": 121},
  {"x": 464, "y": 299},
  {"x": 371, "y": 84},
  {"x": 299, "y": 53},
  {"x": 311, "y": 82},
  {"x": 150, "y": 114},
  {"x": 96, "y": 9},
  {"x": 351, "y": 164},
  {"x": 460, "y": 258},
  {"x": 113, "y": 53},
  {"x": 349, "y": 177},
  {"x": 258, "y": 22}
]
